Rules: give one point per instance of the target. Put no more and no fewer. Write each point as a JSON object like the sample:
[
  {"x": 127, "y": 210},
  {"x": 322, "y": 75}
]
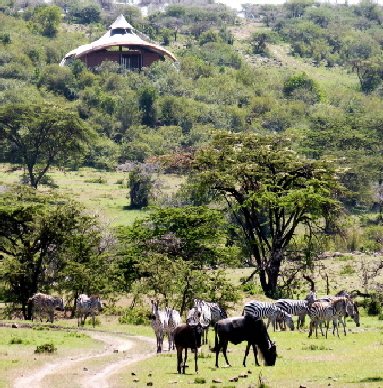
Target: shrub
[
  {"x": 199, "y": 380},
  {"x": 96, "y": 180},
  {"x": 135, "y": 316},
  {"x": 16, "y": 341},
  {"x": 46, "y": 348}
]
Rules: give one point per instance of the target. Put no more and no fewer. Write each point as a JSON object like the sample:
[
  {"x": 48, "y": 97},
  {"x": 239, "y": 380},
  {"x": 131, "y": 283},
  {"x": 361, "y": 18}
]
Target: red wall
[{"x": 95, "y": 58}]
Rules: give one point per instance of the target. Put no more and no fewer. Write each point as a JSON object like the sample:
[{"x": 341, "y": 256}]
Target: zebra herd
[
  {"x": 46, "y": 304},
  {"x": 322, "y": 310},
  {"x": 164, "y": 322},
  {"x": 279, "y": 313}
]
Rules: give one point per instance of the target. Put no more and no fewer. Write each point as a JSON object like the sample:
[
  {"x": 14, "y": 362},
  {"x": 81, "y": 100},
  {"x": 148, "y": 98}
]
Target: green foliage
[
  {"x": 261, "y": 179},
  {"x": 209, "y": 36},
  {"x": 134, "y": 316},
  {"x": 17, "y": 341},
  {"x": 347, "y": 269},
  {"x": 96, "y": 180},
  {"x": 46, "y": 348},
  {"x": 43, "y": 134},
  {"x": 199, "y": 380},
  {"x": 296, "y": 85}
]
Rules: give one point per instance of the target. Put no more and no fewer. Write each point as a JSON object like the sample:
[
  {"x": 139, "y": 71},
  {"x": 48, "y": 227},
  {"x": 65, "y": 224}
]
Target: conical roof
[
  {"x": 121, "y": 22},
  {"x": 117, "y": 39}
]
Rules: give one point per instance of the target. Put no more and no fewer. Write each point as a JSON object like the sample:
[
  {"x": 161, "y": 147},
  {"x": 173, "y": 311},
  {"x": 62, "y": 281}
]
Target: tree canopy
[
  {"x": 271, "y": 191},
  {"x": 42, "y": 135}
]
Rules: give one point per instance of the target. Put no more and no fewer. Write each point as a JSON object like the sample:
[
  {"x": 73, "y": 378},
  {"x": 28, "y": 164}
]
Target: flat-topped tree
[
  {"x": 42, "y": 135},
  {"x": 271, "y": 191}
]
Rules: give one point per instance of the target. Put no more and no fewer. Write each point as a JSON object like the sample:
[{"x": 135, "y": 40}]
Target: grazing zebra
[
  {"x": 351, "y": 310},
  {"x": 263, "y": 310},
  {"x": 216, "y": 311},
  {"x": 45, "y": 303},
  {"x": 174, "y": 319},
  {"x": 296, "y": 307},
  {"x": 323, "y": 311},
  {"x": 200, "y": 314},
  {"x": 86, "y": 306},
  {"x": 159, "y": 324}
]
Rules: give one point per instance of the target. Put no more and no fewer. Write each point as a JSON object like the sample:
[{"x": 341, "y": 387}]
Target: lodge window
[{"x": 131, "y": 61}]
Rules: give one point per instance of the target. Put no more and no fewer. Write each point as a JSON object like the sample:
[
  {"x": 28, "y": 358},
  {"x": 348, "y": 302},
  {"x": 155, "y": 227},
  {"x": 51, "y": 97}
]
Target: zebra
[
  {"x": 159, "y": 324},
  {"x": 323, "y": 311},
  {"x": 263, "y": 310},
  {"x": 45, "y": 303},
  {"x": 296, "y": 307},
  {"x": 351, "y": 310},
  {"x": 86, "y": 306},
  {"x": 200, "y": 314},
  {"x": 174, "y": 320},
  {"x": 217, "y": 312}
]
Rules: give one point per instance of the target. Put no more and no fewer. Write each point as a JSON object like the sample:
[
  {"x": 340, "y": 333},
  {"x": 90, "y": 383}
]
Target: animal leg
[
  {"x": 255, "y": 351},
  {"x": 179, "y": 359},
  {"x": 247, "y": 350},
  {"x": 196, "y": 360},
  {"x": 224, "y": 349},
  {"x": 184, "y": 363}
]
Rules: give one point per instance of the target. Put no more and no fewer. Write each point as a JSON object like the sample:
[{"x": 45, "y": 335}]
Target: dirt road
[{"x": 101, "y": 371}]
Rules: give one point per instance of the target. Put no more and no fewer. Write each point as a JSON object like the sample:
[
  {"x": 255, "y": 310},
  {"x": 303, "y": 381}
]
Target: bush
[
  {"x": 46, "y": 348},
  {"x": 16, "y": 341},
  {"x": 96, "y": 180},
  {"x": 135, "y": 316}
]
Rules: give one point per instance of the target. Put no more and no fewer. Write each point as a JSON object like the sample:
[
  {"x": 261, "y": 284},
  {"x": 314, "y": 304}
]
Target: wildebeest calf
[
  {"x": 187, "y": 336},
  {"x": 245, "y": 328}
]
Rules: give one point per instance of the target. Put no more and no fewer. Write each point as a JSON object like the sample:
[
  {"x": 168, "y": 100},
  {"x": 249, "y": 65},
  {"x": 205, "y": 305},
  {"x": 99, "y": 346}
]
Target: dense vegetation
[{"x": 277, "y": 160}]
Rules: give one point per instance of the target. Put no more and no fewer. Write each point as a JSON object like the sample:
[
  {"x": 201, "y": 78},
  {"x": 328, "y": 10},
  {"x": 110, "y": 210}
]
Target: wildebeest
[
  {"x": 187, "y": 335},
  {"x": 245, "y": 328}
]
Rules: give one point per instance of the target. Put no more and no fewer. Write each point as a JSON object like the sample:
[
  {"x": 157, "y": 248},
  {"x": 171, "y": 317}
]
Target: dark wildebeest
[
  {"x": 246, "y": 328},
  {"x": 187, "y": 335}
]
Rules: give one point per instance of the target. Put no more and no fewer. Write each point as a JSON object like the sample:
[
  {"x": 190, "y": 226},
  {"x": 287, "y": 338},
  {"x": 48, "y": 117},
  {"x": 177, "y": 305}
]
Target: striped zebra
[
  {"x": 216, "y": 311},
  {"x": 295, "y": 307},
  {"x": 351, "y": 310},
  {"x": 323, "y": 311},
  {"x": 174, "y": 319},
  {"x": 200, "y": 314},
  {"x": 159, "y": 324},
  {"x": 86, "y": 306},
  {"x": 263, "y": 310},
  {"x": 44, "y": 303}
]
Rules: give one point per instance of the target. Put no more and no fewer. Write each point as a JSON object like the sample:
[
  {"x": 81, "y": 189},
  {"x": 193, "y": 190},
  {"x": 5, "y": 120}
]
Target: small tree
[{"x": 141, "y": 185}]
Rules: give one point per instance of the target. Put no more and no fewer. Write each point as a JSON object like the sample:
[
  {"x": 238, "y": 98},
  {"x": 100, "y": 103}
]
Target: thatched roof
[{"x": 121, "y": 33}]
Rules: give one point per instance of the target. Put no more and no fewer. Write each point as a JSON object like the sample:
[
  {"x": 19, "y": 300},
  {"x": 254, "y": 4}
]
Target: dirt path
[{"x": 100, "y": 374}]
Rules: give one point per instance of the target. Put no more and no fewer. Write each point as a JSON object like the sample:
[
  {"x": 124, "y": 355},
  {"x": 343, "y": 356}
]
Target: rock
[
  {"x": 133, "y": 373},
  {"x": 217, "y": 381},
  {"x": 136, "y": 380},
  {"x": 15, "y": 325},
  {"x": 234, "y": 379},
  {"x": 149, "y": 384},
  {"x": 85, "y": 369},
  {"x": 243, "y": 375},
  {"x": 115, "y": 350}
]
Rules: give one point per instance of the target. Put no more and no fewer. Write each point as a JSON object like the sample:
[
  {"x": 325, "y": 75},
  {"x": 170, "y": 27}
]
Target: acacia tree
[
  {"x": 166, "y": 254},
  {"x": 48, "y": 243},
  {"x": 271, "y": 192},
  {"x": 42, "y": 135}
]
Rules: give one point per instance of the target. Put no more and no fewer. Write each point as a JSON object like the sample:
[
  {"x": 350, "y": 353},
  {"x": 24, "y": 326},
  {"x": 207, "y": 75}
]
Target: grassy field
[
  {"x": 109, "y": 198},
  {"x": 353, "y": 360}
]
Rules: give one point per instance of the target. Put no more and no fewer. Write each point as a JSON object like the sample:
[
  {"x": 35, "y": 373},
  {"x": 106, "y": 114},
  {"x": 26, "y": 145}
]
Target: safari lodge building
[{"x": 120, "y": 44}]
